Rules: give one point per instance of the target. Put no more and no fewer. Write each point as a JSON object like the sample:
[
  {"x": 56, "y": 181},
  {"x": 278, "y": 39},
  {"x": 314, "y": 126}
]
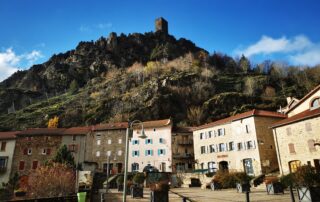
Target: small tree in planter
[
  {"x": 137, "y": 187},
  {"x": 243, "y": 180},
  {"x": 308, "y": 183},
  {"x": 159, "y": 186},
  {"x": 273, "y": 185}
]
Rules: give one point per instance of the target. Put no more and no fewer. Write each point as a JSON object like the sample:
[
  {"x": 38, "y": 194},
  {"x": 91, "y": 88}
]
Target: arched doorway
[
  {"x": 294, "y": 165},
  {"x": 223, "y": 166},
  {"x": 247, "y": 166}
]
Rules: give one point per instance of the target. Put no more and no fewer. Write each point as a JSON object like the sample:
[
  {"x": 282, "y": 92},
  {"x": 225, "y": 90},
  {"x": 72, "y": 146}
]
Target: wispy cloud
[
  {"x": 10, "y": 61},
  {"x": 90, "y": 28},
  {"x": 299, "y": 50}
]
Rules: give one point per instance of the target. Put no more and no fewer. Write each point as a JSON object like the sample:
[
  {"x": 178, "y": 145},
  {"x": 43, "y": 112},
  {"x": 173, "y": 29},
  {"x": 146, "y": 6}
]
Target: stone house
[
  {"x": 182, "y": 149},
  {"x": 155, "y": 150},
  {"x": 7, "y": 145},
  {"x": 106, "y": 143},
  {"x": 296, "y": 137},
  {"x": 243, "y": 142},
  {"x": 33, "y": 147}
]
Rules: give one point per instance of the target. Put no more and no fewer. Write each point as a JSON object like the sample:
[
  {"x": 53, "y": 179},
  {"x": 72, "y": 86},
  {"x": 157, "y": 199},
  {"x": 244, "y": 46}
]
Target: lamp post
[{"x": 129, "y": 133}]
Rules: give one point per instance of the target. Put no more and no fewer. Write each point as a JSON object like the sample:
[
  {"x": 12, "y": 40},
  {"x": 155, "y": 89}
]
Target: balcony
[
  {"x": 182, "y": 156},
  {"x": 185, "y": 142}
]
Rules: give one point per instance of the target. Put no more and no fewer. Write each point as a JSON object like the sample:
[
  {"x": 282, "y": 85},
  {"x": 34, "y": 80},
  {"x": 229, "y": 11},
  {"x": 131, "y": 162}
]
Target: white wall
[{"x": 9, "y": 151}]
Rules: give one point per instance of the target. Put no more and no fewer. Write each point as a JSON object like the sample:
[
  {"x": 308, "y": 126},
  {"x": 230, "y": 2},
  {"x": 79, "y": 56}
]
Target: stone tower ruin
[{"x": 161, "y": 25}]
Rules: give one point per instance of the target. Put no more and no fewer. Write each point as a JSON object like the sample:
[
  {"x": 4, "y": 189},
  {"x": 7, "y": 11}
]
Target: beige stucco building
[
  {"x": 7, "y": 145},
  {"x": 297, "y": 135},
  {"x": 155, "y": 150},
  {"x": 242, "y": 142}
]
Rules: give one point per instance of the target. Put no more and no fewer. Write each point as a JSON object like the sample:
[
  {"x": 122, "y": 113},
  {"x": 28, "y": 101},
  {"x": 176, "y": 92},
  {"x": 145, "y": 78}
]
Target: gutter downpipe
[{"x": 279, "y": 158}]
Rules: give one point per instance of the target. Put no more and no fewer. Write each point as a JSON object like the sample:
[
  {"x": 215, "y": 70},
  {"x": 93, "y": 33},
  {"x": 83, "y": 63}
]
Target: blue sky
[{"x": 283, "y": 30}]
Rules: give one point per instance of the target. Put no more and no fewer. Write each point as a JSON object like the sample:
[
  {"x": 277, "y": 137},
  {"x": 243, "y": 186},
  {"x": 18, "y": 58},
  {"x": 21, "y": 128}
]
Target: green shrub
[
  {"x": 230, "y": 179},
  {"x": 287, "y": 180},
  {"x": 139, "y": 178}
]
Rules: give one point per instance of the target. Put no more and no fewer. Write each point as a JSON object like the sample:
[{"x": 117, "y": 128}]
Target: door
[
  {"x": 223, "y": 165},
  {"x": 293, "y": 165},
  {"x": 163, "y": 166},
  {"x": 119, "y": 165},
  {"x": 248, "y": 167}
]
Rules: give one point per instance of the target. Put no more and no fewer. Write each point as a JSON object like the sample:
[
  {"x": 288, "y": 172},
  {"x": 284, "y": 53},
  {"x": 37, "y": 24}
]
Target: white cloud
[
  {"x": 299, "y": 50},
  {"x": 10, "y": 61},
  {"x": 102, "y": 26}
]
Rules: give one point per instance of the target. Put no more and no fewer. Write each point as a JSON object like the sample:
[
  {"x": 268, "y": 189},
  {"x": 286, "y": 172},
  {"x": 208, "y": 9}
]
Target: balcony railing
[
  {"x": 185, "y": 142},
  {"x": 182, "y": 156}
]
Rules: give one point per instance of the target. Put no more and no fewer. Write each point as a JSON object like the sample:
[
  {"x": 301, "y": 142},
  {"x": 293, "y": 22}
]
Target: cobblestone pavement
[{"x": 201, "y": 195}]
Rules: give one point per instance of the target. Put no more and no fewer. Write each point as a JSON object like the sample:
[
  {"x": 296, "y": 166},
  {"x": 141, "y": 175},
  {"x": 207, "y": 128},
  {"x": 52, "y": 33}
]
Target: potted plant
[
  {"x": 215, "y": 183},
  {"x": 243, "y": 182},
  {"x": 137, "y": 187},
  {"x": 308, "y": 183},
  {"x": 273, "y": 185},
  {"x": 159, "y": 186}
]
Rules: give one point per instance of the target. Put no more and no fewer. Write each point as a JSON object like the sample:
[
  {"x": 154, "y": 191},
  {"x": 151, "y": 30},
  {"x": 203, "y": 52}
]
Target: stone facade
[
  {"x": 107, "y": 143},
  {"x": 161, "y": 25},
  {"x": 296, "y": 136},
  {"x": 182, "y": 149},
  {"x": 7, "y": 146},
  {"x": 155, "y": 150},
  {"x": 242, "y": 143}
]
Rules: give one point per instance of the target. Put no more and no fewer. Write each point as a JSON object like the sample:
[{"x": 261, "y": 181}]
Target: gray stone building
[{"x": 161, "y": 25}]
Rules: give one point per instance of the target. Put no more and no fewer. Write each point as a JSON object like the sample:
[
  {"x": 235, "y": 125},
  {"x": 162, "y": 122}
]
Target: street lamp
[{"x": 129, "y": 134}]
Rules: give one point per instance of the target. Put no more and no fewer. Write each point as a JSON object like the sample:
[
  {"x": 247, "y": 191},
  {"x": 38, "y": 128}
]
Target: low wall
[{"x": 186, "y": 179}]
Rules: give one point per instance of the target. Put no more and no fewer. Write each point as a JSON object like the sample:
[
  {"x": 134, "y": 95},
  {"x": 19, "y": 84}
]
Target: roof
[
  {"x": 156, "y": 123},
  {"x": 42, "y": 131},
  {"x": 304, "y": 98},
  {"x": 77, "y": 130},
  {"x": 183, "y": 129},
  {"x": 110, "y": 126},
  {"x": 247, "y": 114},
  {"x": 298, "y": 117},
  {"x": 8, "y": 135}
]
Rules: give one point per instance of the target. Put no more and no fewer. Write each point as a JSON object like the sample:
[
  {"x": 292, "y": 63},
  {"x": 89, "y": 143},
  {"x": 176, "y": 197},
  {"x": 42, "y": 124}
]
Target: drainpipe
[{"x": 277, "y": 147}]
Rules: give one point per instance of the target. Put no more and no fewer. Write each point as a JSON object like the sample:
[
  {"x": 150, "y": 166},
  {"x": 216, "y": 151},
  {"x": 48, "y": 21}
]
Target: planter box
[
  {"x": 243, "y": 187},
  {"x": 159, "y": 196},
  {"x": 136, "y": 191},
  {"x": 275, "y": 188},
  {"x": 120, "y": 187},
  {"x": 215, "y": 186},
  {"x": 308, "y": 194}
]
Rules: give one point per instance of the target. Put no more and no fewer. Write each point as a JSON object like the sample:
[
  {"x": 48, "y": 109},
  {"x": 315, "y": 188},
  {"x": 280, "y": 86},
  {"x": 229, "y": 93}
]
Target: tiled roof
[
  {"x": 77, "y": 130},
  {"x": 298, "y": 117},
  {"x": 247, "y": 114},
  {"x": 304, "y": 98},
  {"x": 110, "y": 126},
  {"x": 42, "y": 131},
  {"x": 156, "y": 123},
  {"x": 8, "y": 135}
]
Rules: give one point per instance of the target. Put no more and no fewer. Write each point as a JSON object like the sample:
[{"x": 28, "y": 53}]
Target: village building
[
  {"x": 155, "y": 150},
  {"x": 106, "y": 145},
  {"x": 182, "y": 149},
  {"x": 7, "y": 145},
  {"x": 243, "y": 142},
  {"x": 296, "y": 137}
]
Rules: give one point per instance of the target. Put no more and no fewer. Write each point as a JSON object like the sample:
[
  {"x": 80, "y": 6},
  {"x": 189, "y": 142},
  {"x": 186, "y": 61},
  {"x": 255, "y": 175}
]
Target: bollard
[
  {"x": 184, "y": 199},
  {"x": 247, "y": 196},
  {"x": 291, "y": 194}
]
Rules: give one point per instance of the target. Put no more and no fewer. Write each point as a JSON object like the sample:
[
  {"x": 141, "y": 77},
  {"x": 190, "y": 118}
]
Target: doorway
[
  {"x": 223, "y": 166},
  {"x": 294, "y": 165},
  {"x": 119, "y": 167}
]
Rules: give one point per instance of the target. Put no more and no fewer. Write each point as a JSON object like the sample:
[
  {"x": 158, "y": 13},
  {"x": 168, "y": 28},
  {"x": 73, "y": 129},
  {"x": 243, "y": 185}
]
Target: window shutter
[
  {"x": 138, "y": 153},
  {"x": 158, "y": 152},
  {"x": 245, "y": 145},
  {"x": 146, "y": 152},
  {"x": 227, "y": 149},
  {"x": 34, "y": 164},
  {"x": 151, "y": 141},
  {"x": 132, "y": 153},
  {"x": 215, "y": 133},
  {"x": 291, "y": 148},
  {"x": 218, "y": 148},
  {"x": 223, "y": 132},
  {"x": 21, "y": 165},
  {"x": 254, "y": 144},
  {"x": 146, "y": 141},
  {"x": 151, "y": 152},
  {"x": 164, "y": 152},
  {"x": 48, "y": 151},
  {"x": 25, "y": 151}
]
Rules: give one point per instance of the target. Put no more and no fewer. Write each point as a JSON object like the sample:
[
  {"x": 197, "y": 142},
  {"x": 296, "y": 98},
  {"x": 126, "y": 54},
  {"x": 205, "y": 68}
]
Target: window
[
  {"x": 154, "y": 130},
  {"x": 240, "y": 146},
  {"x": 97, "y": 153},
  {"x": 3, "y": 162},
  {"x": 148, "y": 141},
  {"x": 308, "y": 126},
  {"x": 21, "y": 165},
  {"x": 161, "y": 152},
  {"x": 3, "y": 146},
  {"x": 288, "y": 131},
  {"x": 210, "y": 134},
  {"x": 109, "y": 141},
  {"x": 98, "y": 142},
  {"x": 203, "y": 149},
  {"x": 135, "y": 142},
  {"x": 29, "y": 151},
  {"x": 119, "y": 152},
  {"x": 201, "y": 136},
  {"x": 247, "y": 128},
  {"x": 108, "y": 153},
  {"x": 149, "y": 152},
  {"x": 291, "y": 148},
  {"x": 160, "y": 140},
  {"x": 34, "y": 165},
  {"x": 250, "y": 145},
  {"x": 231, "y": 146},
  {"x": 74, "y": 138},
  {"x": 212, "y": 148},
  {"x": 221, "y": 132},
  {"x": 222, "y": 147},
  {"x": 135, "y": 167},
  {"x": 29, "y": 138},
  {"x": 135, "y": 153},
  {"x": 120, "y": 141},
  {"x": 73, "y": 147},
  {"x": 311, "y": 146},
  {"x": 315, "y": 103}
]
